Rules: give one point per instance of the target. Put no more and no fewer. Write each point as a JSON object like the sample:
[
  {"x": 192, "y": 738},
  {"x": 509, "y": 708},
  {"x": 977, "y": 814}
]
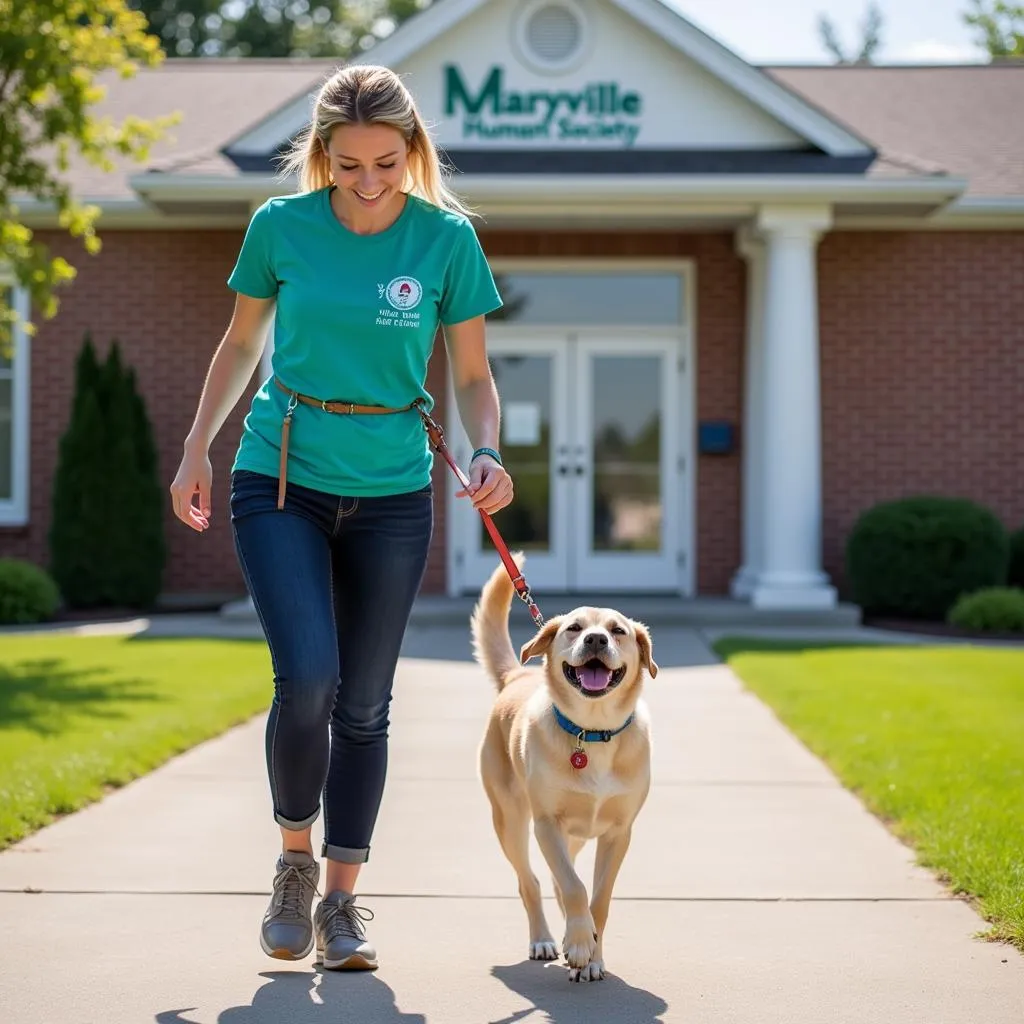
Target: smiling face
[
  {"x": 593, "y": 652},
  {"x": 368, "y": 163}
]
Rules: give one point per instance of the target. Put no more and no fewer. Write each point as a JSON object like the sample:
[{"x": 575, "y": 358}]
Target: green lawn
[
  {"x": 930, "y": 738},
  {"x": 81, "y": 714}
]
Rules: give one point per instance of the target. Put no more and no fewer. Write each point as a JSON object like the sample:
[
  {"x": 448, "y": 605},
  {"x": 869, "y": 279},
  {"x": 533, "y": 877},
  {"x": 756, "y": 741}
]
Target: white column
[
  {"x": 752, "y": 434},
  {"x": 791, "y": 575}
]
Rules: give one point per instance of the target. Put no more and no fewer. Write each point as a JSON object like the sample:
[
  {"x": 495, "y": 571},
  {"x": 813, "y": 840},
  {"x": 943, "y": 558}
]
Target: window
[
  {"x": 14, "y": 419},
  {"x": 606, "y": 298}
]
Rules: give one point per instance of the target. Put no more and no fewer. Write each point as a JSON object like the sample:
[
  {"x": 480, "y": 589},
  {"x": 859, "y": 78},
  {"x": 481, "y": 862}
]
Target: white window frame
[
  {"x": 685, "y": 332},
  {"x": 14, "y": 510}
]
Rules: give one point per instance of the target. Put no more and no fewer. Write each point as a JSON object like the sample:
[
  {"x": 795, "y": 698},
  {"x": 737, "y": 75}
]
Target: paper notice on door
[{"x": 520, "y": 422}]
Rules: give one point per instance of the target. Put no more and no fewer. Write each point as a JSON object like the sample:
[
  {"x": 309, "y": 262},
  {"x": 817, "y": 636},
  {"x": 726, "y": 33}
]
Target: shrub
[
  {"x": 106, "y": 540},
  {"x": 1015, "y": 577},
  {"x": 27, "y": 593},
  {"x": 995, "y": 610},
  {"x": 914, "y": 557}
]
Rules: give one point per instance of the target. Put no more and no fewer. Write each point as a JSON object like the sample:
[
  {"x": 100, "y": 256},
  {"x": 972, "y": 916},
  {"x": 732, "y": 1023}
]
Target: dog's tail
[{"x": 492, "y": 643}]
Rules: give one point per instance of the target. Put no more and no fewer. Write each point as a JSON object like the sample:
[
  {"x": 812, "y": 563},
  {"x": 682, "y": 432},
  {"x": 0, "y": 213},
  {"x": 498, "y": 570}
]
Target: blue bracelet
[{"x": 488, "y": 451}]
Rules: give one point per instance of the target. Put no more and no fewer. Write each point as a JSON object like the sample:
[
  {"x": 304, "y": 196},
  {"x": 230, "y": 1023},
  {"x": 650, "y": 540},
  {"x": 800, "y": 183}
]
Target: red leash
[{"x": 436, "y": 435}]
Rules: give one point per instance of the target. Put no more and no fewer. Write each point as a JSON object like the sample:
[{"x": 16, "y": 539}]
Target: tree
[
  {"x": 51, "y": 54},
  {"x": 273, "y": 28},
  {"x": 1000, "y": 26},
  {"x": 106, "y": 539},
  {"x": 872, "y": 37}
]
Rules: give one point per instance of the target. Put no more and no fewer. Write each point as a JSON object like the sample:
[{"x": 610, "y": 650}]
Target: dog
[{"x": 568, "y": 747}]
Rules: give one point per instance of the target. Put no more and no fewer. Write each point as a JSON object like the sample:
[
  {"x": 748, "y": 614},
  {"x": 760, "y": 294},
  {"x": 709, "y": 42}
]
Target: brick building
[{"x": 742, "y": 303}]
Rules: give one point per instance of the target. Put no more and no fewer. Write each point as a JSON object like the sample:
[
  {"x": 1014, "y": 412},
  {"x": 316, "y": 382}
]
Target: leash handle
[{"x": 436, "y": 435}]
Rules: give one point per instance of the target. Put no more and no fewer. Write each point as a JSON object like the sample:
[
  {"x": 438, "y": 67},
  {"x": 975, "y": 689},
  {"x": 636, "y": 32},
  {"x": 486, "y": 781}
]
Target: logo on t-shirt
[{"x": 404, "y": 292}]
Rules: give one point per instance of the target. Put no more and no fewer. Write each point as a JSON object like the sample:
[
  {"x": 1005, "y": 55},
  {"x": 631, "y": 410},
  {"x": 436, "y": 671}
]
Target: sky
[{"x": 785, "y": 31}]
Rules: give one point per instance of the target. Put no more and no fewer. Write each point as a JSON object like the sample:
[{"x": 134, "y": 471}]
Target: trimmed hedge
[
  {"x": 993, "y": 610},
  {"x": 914, "y": 557},
  {"x": 1015, "y": 577},
  {"x": 28, "y": 594}
]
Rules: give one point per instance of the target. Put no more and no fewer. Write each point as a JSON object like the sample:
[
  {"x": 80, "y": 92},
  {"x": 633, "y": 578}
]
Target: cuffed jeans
[{"x": 333, "y": 580}]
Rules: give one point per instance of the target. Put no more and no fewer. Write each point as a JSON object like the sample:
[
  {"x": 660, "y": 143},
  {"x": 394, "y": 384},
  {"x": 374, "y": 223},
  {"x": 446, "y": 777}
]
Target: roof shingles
[{"x": 962, "y": 120}]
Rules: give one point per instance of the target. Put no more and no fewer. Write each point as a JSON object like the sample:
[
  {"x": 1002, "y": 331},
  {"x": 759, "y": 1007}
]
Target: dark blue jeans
[{"x": 333, "y": 581}]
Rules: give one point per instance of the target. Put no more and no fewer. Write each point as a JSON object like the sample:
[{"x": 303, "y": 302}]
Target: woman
[{"x": 331, "y": 504}]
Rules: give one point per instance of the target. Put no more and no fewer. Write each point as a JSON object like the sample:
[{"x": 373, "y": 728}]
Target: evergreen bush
[
  {"x": 106, "y": 540},
  {"x": 914, "y": 557}
]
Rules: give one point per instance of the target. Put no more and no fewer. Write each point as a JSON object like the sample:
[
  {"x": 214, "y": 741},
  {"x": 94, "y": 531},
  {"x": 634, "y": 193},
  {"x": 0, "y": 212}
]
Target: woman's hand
[
  {"x": 195, "y": 476},
  {"x": 490, "y": 486}
]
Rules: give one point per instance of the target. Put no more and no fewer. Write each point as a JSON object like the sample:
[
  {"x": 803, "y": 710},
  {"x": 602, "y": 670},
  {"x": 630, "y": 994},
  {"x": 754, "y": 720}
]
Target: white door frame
[
  {"x": 686, "y": 391},
  {"x": 591, "y": 567}
]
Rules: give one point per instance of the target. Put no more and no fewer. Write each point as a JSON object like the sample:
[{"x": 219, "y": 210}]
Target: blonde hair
[{"x": 367, "y": 94}]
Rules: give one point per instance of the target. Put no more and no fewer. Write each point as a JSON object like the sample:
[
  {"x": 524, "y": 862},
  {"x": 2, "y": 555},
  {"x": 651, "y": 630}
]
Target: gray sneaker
[
  {"x": 340, "y": 938},
  {"x": 287, "y": 932}
]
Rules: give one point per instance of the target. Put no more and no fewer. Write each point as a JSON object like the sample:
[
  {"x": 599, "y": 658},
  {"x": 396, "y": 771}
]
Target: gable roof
[
  {"x": 773, "y": 97},
  {"x": 952, "y": 120},
  {"x": 962, "y": 120}
]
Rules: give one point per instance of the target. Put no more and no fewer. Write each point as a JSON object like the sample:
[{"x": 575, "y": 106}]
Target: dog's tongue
[{"x": 594, "y": 677}]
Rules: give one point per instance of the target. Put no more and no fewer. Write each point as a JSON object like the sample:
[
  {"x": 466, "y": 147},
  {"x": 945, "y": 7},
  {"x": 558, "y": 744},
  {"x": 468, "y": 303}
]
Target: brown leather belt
[
  {"x": 333, "y": 406},
  {"x": 436, "y": 435}
]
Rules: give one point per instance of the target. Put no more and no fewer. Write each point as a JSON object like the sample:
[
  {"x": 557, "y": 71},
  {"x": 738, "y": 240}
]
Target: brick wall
[
  {"x": 922, "y": 365},
  {"x": 922, "y": 375},
  {"x": 163, "y": 295}
]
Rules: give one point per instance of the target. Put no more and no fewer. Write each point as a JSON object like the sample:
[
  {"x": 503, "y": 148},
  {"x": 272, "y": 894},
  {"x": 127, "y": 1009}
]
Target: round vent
[{"x": 551, "y": 34}]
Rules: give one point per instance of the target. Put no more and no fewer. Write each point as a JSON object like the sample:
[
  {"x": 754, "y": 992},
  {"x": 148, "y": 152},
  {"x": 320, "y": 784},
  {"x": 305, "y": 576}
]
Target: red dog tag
[{"x": 578, "y": 759}]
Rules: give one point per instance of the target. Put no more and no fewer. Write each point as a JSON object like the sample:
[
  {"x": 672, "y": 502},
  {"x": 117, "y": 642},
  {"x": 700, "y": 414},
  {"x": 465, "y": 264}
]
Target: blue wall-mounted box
[{"x": 715, "y": 437}]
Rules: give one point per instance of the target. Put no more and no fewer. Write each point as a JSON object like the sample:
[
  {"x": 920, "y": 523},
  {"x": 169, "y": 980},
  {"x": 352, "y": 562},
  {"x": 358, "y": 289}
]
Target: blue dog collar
[{"x": 588, "y": 735}]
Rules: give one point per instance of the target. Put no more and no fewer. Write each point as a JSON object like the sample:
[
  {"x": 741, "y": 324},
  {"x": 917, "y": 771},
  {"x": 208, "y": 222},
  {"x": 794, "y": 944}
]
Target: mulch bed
[{"x": 943, "y": 629}]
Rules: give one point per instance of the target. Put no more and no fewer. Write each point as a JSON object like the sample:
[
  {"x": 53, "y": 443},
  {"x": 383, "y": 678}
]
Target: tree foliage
[
  {"x": 999, "y": 25},
  {"x": 871, "y": 37},
  {"x": 51, "y": 55},
  {"x": 273, "y": 28}
]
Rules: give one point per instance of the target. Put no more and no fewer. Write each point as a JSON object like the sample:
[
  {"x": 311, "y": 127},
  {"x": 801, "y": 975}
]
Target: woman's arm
[
  {"x": 231, "y": 369},
  {"x": 490, "y": 486},
  {"x": 230, "y": 372}
]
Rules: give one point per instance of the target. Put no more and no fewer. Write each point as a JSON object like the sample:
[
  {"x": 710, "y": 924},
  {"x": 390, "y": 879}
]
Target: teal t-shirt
[{"x": 355, "y": 322}]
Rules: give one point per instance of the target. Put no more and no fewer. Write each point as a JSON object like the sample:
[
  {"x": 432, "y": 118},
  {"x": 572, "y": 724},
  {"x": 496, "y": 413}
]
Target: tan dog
[{"x": 530, "y": 763}]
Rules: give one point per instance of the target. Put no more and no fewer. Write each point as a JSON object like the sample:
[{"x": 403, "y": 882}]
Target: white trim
[
  {"x": 14, "y": 511},
  {"x": 763, "y": 91},
  {"x": 628, "y": 190}
]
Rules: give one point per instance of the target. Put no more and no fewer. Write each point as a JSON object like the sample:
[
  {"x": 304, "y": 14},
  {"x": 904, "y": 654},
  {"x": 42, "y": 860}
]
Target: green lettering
[
  {"x": 631, "y": 103},
  {"x": 456, "y": 92}
]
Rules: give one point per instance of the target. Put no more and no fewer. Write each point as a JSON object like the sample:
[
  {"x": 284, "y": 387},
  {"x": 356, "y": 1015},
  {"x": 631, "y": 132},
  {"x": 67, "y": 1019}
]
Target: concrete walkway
[{"x": 756, "y": 890}]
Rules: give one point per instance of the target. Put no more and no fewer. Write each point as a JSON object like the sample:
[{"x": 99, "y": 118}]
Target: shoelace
[
  {"x": 345, "y": 919},
  {"x": 289, "y": 885}
]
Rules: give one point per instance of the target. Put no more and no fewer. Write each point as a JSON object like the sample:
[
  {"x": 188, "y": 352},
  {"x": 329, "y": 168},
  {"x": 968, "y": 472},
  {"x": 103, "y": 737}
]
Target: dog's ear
[
  {"x": 541, "y": 642},
  {"x": 643, "y": 641}
]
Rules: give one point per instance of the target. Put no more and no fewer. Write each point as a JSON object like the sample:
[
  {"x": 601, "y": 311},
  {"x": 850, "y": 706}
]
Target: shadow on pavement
[
  {"x": 547, "y": 987},
  {"x": 299, "y": 997}
]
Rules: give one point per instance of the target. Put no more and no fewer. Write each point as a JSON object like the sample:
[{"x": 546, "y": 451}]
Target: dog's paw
[
  {"x": 594, "y": 971},
  {"x": 544, "y": 949},
  {"x": 580, "y": 943}
]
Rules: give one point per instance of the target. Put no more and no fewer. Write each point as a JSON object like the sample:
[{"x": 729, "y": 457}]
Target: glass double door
[{"x": 591, "y": 433}]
